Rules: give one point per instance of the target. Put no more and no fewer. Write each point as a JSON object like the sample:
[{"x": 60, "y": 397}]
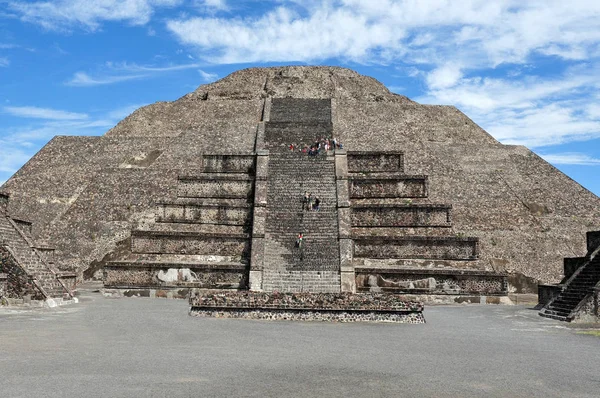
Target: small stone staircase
[
  {"x": 15, "y": 236},
  {"x": 576, "y": 289}
]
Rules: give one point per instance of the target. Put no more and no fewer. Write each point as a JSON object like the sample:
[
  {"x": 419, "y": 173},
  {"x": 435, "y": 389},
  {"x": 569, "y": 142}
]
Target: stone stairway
[
  {"x": 29, "y": 259},
  {"x": 576, "y": 288},
  {"x": 314, "y": 267},
  {"x": 317, "y": 262}
]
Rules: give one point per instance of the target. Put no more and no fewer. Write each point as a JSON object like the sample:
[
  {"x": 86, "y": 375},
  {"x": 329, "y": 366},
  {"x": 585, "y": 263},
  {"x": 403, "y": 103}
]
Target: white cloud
[
  {"x": 208, "y": 77},
  {"x": 67, "y": 14},
  {"x": 375, "y": 31},
  {"x": 573, "y": 158},
  {"x": 34, "y": 112},
  {"x": 82, "y": 79},
  {"x": 212, "y": 4},
  {"x": 119, "y": 72},
  {"x": 4, "y": 62},
  {"x": 444, "y": 76}
]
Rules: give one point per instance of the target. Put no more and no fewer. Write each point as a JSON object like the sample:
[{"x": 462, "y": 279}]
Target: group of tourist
[
  {"x": 322, "y": 145},
  {"x": 310, "y": 202}
]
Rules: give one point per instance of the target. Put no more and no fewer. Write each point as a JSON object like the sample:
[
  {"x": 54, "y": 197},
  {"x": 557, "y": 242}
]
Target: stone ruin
[{"x": 204, "y": 193}]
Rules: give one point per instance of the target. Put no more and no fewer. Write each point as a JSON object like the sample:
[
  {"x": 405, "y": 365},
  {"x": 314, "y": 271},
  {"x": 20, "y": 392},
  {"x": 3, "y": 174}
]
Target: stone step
[
  {"x": 398, "y": 186},
  {"x": 190, "y": 243},
  {"x": 410, "y": 247}
]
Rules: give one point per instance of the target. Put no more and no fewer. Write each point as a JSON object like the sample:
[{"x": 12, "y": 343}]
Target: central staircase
[{"x": 315, "y": 266}]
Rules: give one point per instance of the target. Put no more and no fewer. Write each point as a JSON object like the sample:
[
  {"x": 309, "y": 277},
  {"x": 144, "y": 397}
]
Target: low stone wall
[
  {"x": 190, "y": 243},
  {"x": 547, "y": 293},
  {"x": 429, "y": 247},
  {"x": 343, "y": 307},
  {"x": 431, "y": 281},
  {"x": 373, "y": 162},
  {"x": 589, "y": 308},
  {"x": 408, "y": 215},
  {"x": 302, "y": 315},
  {"x": 396, "y": 187},
  {"x": 17, "y": 284},
  {"x": 141, "y": 276},
  {"x": 228, "y": 163}
]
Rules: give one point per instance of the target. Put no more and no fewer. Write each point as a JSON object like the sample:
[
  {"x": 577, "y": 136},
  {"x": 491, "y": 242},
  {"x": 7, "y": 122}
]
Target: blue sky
[{"x": 527, "y": 72}]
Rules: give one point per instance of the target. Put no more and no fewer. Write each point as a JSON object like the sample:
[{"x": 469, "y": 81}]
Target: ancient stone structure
[
  {"x": 577, "y": 296},
  {"x": 338, "y": 307},
  {"x": 27, "y": 268},
  {"x": 204, "y": 192}
]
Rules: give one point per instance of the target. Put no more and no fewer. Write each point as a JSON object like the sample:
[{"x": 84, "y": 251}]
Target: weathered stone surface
[{"x": 85, "y": 194}]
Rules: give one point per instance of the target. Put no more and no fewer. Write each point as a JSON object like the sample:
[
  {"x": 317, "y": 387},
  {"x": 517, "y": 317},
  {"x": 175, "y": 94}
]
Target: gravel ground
[{"x": 136, "y": 347}]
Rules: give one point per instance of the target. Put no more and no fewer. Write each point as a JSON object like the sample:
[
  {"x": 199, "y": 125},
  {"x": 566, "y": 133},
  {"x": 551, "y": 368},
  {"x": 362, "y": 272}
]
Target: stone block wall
[
  {"x": 204, "y": 214},
  {"x": 228, "y": 163},
  {"x": 391, "y": 187},
  {"x": 426, "y": 247},
  {"x": 375, "y": 162},
  {"x": 214, "y": 187},
  {"x": 125, "y": 275},
  {"x": 430, "y": 281},
  {"x": 409, "y": 215},
  {"x": 18, "y": 283},
  {"x": 189, "y": 243}
]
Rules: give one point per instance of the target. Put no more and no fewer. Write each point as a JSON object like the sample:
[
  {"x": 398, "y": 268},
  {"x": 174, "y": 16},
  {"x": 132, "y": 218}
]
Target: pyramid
[{"x": 204, "y": 191}]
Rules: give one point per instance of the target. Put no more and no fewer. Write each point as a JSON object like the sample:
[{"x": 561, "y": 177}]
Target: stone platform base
[
  {"x": 170, "y": 293},
  {"x": 305, "y": 315},
  {"x": 445, "y": 299},
  {"x": 332, "y": 307}
]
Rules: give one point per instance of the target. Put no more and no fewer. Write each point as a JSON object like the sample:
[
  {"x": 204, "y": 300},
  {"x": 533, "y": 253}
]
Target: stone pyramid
[{"x": 205, "y": 192}]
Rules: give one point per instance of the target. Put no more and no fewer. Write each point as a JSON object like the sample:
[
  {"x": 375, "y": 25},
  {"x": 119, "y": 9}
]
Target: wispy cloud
[
  {"x": 208, "y": 77},
  {"x": 113, "y": 72},
  {"x": 220, "y": 5},
  {"x": 89, "y": 15},
  {"x": 34, "y": 112},
  {"x": 573, "y": 158},
  {"x": 530, "y": 110},
  {"x": 19, "y": 143},
  {"x": 4, "y": 62},
  {"x": 82, "y": 79}
]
